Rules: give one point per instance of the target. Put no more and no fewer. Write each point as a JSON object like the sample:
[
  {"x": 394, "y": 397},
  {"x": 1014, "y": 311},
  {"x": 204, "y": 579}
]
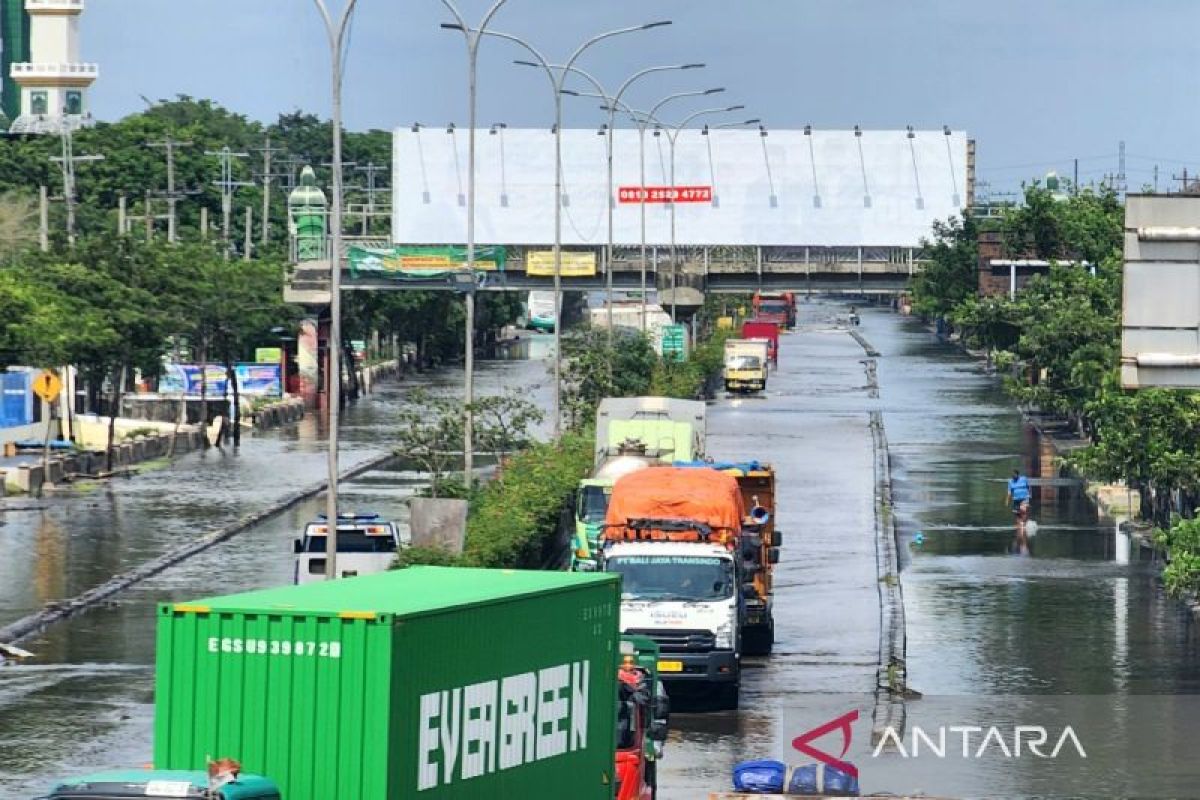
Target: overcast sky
[{"x": 1036, "y": 82}]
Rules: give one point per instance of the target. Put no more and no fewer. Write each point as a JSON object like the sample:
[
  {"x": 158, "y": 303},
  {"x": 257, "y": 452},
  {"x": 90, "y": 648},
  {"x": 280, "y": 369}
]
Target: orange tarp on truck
[{"x": 701, "y": 495}]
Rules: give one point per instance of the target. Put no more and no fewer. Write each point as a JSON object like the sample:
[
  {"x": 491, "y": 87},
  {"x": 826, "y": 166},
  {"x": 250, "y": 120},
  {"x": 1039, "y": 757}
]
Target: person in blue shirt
[{"x": 1018, "y": 493}]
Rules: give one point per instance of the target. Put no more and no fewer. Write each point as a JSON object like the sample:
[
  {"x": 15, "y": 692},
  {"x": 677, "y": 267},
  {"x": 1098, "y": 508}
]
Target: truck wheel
[
  {"x": 757, "y": 641},
  {"x": 728, "y": 697},
  {"x": 728, "y": 387}
]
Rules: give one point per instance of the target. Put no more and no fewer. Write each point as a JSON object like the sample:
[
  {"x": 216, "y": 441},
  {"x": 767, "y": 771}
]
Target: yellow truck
[{"x": 746, "y": 365}]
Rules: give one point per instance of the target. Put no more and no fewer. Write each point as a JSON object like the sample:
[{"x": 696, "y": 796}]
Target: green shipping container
[{"x": 423, "y": 683}]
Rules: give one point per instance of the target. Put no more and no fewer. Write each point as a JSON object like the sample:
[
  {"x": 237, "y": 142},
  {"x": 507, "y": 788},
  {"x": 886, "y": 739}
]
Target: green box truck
[{"x": 422, "y": 683}]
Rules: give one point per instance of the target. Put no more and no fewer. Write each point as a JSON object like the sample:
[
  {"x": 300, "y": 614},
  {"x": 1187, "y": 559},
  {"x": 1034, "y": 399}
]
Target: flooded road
[
  {"x": 1080, "y": 613},
  {"x": 86, "y": 701}
]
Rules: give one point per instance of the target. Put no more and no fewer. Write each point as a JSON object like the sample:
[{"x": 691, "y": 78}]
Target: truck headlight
[{"x": 723, "y": 638}]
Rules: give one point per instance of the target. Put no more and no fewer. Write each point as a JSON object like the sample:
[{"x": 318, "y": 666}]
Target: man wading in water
[{"x": 1018, "y": 498}]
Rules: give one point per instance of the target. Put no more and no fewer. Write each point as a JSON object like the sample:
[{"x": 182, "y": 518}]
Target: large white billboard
[{"x": 827, "y": 188}]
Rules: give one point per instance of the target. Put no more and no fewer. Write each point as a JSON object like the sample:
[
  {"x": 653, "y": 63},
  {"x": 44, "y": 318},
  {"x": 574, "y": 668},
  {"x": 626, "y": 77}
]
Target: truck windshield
[
  {"x": 352, "y": 541},
  {"x": 593, "y": 504},
  {"x": 684, "y": 578},
  {"x": 774, "y": 308},
  {"x": 745, "y": 362}
]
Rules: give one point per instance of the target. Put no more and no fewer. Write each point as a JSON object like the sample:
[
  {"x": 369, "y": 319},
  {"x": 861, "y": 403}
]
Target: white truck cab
[
  {"x": 685, "y": 596},
  {"x": 366, "y": 544}
]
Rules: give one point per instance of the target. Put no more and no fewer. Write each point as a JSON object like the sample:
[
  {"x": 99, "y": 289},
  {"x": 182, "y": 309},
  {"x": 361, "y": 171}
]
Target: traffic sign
[
  {"x": 47, "y": 385},
  {"x": 674, "y": 342}
]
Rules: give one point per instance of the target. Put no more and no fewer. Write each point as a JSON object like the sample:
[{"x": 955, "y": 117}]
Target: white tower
[{"x": 54, "y": 81}]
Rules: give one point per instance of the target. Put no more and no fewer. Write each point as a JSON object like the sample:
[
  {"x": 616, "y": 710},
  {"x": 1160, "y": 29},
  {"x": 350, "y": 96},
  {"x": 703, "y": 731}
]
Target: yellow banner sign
[{"x": 574, "y": 265}]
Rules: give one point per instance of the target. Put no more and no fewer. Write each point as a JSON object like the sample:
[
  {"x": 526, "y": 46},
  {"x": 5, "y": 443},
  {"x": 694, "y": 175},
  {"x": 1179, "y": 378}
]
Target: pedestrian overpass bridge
[
  {"x": 850, "y": 271},
  {"x": 720, "y": 210}
]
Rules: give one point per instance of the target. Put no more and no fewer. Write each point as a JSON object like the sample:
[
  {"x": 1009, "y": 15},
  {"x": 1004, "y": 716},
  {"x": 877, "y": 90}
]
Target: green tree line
[{"x": 1059, "y": 339}]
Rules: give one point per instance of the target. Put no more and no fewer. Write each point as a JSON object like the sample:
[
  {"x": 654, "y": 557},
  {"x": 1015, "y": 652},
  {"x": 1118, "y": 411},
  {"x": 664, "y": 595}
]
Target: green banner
[{"x": 414, "y": 263}]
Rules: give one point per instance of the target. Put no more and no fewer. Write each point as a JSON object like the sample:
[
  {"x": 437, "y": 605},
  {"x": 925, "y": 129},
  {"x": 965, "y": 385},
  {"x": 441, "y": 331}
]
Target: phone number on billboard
[
  {"x": 275, "y": 647},
  {"x": 665, "y": 194}
]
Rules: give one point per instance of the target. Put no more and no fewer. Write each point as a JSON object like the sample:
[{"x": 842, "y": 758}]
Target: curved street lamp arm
[
  {"x": 649, "y": 71},
  {"x": 608, "y": 35},
  {"x": 679, "y": 95},
  {"x": 703, "y": 112},
  {"x": 338, "y": 31}
]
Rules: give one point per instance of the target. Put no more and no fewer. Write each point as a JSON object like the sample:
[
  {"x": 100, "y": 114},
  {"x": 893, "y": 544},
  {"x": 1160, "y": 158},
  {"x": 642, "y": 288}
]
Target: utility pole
[
  {"x": 1183, "y": 181},
  {"x": 168, "y": 144},
  {"x": 249, "y": 227},
  {"x": 43, "y": 219},
  {"x": 1156, "y": 178},
  {"x": 1121, "y": 171},
  {"x": 227, "y": 185},
  {"x": 267, "y": 152},
  {"x": 1075, "y": 180},
  {"x": 291, "y": 168},
  {"x": 67, "y": 162},
  {"x": 371, "y": 169}
]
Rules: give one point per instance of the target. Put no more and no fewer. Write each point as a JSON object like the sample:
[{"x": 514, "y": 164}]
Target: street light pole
[
  {"x": 557, "y": 79},
  {"x": 672, "y": 137},
  {"x": 472, "y": 37},
  {"x": 336, "y": 32},
  {"x": 642, "y": 120},
  {"x": 614, "y": 104}
]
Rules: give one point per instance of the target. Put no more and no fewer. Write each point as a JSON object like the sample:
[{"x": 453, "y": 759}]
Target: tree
[
  {"x": 503, "y": 422},
  {"x": 430, "y": 433},
  {"x": 951, "y": 272},
  {"x": 586, "y": 375}
]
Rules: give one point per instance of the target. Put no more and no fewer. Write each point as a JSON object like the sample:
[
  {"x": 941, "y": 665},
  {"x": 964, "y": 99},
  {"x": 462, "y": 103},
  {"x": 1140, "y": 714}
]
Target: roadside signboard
[
  {"x": 540, "y": 263},
  {"x": 254, "y": 380},
  {"x": 47, "y": 385},
  {"x": 421, "y": 262},
  {"x": 674, "y": 342},
  {"x": 665, "y": 194},
  {"x": 268, "y": 355}
]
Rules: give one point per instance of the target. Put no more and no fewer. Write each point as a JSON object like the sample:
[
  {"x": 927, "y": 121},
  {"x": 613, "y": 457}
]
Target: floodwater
[
  {"x": 86, "y": 700},
  {"x": 1078, "y": 612}
]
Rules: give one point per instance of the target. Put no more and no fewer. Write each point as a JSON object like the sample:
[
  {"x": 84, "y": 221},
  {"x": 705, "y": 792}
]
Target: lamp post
[
  {"x": 557, "y": 76},
  {"x": 613, "y": 102},
  {"x": 642, "y": 120},
  {"x": 336, "y": 32},
  {"x": 473, "y": 36},
  {"x": 672, "y": 138}
]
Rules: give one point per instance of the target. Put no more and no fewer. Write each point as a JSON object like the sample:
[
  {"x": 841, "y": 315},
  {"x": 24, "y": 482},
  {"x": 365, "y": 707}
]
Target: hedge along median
[{"x": 516, "y": 517}]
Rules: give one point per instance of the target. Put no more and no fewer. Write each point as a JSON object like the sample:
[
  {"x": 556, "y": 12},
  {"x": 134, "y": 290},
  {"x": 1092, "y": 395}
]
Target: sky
[{"x": 1037, "y": 83}]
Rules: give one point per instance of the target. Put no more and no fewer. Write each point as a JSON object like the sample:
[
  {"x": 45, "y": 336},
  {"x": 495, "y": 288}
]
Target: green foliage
[
  {"x": 686, "y": 380},
  {"x": 586, "y": 374},
  {"x": 1182, "y": 542},
  {"x": 430, "y": 432},
  {"x": 432, "y": 556},
  {"x": 951, "y": 272},
  {"x": 517, "y": 515}
]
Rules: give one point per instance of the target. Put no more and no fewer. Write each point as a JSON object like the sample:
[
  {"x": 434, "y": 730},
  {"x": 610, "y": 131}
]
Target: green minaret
[{"x": 14, "y": 29}]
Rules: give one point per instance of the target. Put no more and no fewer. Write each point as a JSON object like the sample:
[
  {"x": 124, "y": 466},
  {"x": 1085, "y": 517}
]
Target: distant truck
[
  {"x": 777, "y": 307},
  {"x": 181, "y": 784},
  {"x": 540, "y": 311},
  {"x": 758, "y": 329},
  {"x": 746, "y": 365},
  {"x": 632, "y": 433},
  {"x": 673, "y": 534}
]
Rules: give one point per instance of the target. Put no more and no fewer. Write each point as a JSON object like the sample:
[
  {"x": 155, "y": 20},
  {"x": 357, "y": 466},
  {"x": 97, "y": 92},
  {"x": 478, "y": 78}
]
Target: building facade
[{"x": 52, "y": 79}]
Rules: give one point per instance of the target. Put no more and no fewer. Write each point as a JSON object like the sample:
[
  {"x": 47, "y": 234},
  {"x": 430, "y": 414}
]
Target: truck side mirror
[
  {"x": 297, "y": 545},
  {"x": 773, "y": 555},
  {"x": 660, "y": 707},
  {"x": 657, "y": 732},
  {"x": 776, "y": 538}
]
